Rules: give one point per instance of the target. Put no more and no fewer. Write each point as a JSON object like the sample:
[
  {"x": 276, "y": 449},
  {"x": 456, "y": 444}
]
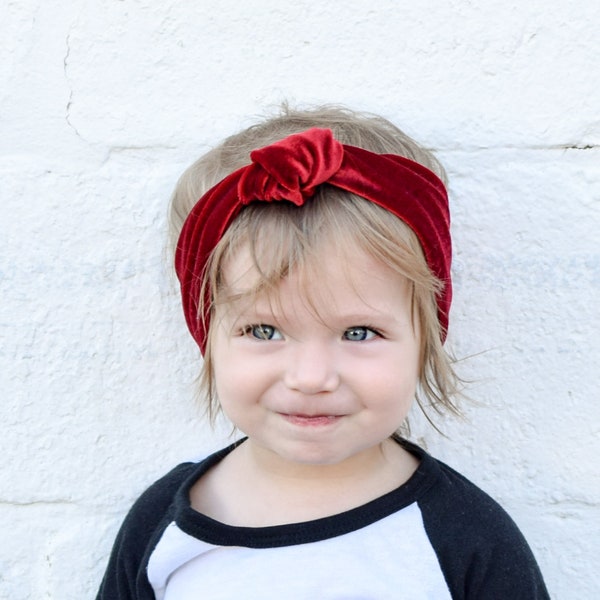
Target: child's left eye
[{"x": 359, "y": 334}]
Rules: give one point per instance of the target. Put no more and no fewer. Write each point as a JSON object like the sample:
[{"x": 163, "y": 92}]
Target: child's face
[{"x": 325, "y": 371}]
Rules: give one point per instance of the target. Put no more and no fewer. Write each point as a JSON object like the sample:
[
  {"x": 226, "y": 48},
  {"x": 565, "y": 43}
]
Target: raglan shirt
[{"x": 437, "y": 536}]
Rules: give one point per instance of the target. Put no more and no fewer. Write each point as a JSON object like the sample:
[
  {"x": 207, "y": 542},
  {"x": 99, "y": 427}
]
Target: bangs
[{"x": 281, "y": 238}]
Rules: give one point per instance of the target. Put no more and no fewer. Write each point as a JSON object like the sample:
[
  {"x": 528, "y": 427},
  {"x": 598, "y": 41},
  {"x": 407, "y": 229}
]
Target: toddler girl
[{"x": 315, "y": 278}]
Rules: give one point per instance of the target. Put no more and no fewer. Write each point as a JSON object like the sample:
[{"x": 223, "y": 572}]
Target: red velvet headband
[{"x": 291, "y": 169}]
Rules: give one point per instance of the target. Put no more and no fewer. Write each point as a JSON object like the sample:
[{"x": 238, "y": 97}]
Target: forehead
[{"x": 335, "y": 281}]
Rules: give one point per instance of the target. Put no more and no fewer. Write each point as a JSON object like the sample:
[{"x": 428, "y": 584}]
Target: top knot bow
[{"x": 292, "y": 168}]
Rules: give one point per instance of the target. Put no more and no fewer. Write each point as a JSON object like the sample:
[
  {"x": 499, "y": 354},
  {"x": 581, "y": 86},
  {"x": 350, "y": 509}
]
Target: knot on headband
[{"x": 290, "y": 170}]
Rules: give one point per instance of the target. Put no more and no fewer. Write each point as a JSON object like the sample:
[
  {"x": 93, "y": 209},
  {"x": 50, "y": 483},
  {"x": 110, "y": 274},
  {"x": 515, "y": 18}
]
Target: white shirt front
[{"x": 389, "y": 559}]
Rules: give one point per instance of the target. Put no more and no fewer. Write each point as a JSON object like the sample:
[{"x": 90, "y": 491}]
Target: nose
[{"x": 312, "y": 369}]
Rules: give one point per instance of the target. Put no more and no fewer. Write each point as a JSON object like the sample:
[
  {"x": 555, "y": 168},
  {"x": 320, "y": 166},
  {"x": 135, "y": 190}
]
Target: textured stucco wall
[{"x": 102, "y": 105}]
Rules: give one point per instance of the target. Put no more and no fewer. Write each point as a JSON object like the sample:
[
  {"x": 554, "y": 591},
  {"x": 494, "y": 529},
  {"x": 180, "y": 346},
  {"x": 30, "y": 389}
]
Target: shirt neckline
[{"x": 217, "y": 533}]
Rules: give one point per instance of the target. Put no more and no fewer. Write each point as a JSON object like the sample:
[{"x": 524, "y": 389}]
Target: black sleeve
[
  {"x": 482, "y": 553},
  {"x": 125, "y": 577}
]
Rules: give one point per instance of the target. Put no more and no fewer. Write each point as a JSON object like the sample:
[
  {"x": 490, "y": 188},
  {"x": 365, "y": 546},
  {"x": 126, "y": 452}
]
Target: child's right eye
[{"x": 263, "y": 332}]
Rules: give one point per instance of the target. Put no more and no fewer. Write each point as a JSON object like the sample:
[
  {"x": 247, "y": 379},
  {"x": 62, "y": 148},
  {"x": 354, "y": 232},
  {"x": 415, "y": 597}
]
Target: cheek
[
  {"x": 236, "y": 376},
  {"x": 228, "y": 381},
  {"x": 395, "y": 377},
  {"x": 229, "y": 391}
]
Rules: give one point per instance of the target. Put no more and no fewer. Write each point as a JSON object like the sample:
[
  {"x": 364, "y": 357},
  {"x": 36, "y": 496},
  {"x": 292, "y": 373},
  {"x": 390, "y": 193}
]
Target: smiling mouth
[{"x": 312, "y": 420}]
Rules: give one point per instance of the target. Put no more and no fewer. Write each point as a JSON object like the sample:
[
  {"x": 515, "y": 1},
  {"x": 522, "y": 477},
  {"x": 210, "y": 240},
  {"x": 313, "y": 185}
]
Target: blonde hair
[{"x": 283, "y": 237}]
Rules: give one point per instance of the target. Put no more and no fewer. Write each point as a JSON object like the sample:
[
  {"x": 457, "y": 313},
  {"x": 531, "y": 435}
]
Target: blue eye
[
  {"x": 359, "y": 334},
  {"x": 263, "y": 332}
]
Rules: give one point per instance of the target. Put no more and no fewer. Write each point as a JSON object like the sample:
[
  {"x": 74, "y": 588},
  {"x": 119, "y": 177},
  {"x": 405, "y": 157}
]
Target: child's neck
[
  {"x": 268, "y": 466},
  {"x": 252, "y": 487}
]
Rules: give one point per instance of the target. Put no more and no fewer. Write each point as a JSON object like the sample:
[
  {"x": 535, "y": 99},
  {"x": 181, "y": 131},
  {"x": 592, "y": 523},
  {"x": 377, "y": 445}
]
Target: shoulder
[
  {"x": 126, "y": 577},
  {"x": 148, "y": 517},
  {"x": 481, "y": 550},
  {"x": 155, "y": 502},
  {"x": 456, "y": 498},
  {"x": 161, "y": 499}
]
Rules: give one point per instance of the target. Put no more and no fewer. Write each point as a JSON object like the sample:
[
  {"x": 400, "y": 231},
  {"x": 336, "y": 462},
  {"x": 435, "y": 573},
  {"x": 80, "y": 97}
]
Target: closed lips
[{"x": 312, "y": 419}]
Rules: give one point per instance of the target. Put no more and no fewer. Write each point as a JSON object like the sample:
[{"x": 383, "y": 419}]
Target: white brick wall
[{"x": 102, "y": 105}]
